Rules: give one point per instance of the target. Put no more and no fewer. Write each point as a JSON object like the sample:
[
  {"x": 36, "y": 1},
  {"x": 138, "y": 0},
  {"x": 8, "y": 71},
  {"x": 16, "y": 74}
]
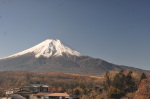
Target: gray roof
[
  {"x": 16, "y": 96},
  {"x": 37, "y": 85}
]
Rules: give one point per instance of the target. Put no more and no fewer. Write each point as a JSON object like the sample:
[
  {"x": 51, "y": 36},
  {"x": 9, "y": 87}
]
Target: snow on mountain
[
  {"x": 48, "y": 48},
  {"x": 25, "y": 61}
]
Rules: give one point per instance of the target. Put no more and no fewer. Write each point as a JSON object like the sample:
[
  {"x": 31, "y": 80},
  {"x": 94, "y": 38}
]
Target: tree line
[{"x": 109, "y": 86}]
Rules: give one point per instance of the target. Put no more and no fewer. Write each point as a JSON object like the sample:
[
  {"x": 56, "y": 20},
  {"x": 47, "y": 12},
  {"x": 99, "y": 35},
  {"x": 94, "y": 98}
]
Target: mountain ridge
[{"x": 53, "y": 56}]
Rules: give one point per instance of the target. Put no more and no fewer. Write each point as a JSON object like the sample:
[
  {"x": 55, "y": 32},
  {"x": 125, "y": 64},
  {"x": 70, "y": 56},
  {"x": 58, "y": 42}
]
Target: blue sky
[{"x": 117, "y": 31}]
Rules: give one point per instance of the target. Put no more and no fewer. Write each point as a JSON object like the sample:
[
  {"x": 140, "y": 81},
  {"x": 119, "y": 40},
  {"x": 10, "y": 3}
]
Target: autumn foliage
[
  {"x": 111, "y": 85},
  {"x": 144, "y": 89}
]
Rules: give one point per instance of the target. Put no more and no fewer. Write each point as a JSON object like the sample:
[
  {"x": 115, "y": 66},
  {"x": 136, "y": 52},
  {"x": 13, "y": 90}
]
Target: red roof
[
  {"x": 58, "y": 94},
  {"x": 41, "y": 94}
]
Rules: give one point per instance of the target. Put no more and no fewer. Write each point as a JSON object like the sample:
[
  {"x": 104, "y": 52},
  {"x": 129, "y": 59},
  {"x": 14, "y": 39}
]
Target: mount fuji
[
  {"x": 47, "y": 49},
  {"x": 52, "y": 56}
]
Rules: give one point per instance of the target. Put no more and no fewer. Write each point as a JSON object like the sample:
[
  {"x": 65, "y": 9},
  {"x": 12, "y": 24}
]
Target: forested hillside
[
  {"x": 58, "y": 82},
  {"x": 112, "y": 84}
]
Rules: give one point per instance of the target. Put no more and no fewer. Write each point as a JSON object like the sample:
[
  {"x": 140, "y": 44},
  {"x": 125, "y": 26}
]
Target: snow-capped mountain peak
[{"x": 48, "y": 48}]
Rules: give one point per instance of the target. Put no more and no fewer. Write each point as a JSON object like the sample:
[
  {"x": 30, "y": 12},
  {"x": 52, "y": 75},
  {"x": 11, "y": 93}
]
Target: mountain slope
[
  {"x": 53, "y": 56},
  {"x": 48, "y": 48}
]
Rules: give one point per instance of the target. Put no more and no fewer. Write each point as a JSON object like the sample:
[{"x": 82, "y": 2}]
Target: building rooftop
[
  {"x": 42, "y": 93},
  {"x": 16, "y": 96},
  {"x": 53, "y": 94},
  {"x": 58, "y": 94},
  {"x": 36, "y": 85}
]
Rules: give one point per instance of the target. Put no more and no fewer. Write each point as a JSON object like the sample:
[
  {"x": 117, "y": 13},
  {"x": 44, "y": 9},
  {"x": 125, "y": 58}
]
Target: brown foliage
[
  {"x": 144, "y": 89},
  {"x": 58, "y": 82}
]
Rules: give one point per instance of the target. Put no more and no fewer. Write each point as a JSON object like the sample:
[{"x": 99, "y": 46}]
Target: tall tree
[
  {"x": 116, "y": 91},
  {"x": 107, "y": 81},
  {"x": 143, "y": 76},
  {"x": 118, "y": 81},
  {"x": 130, "y": 85}
]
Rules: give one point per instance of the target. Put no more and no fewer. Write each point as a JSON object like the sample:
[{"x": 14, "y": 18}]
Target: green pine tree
[
  {"x": 118, "y": 81},
  {"x": 130, "y": 85}
]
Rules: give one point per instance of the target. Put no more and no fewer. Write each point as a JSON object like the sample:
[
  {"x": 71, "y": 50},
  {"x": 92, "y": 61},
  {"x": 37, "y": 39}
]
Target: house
[
  {"x": 39, "y": 91},
  {"x": 30, "y": 90},
  {"x": 35, "y": 88}
]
